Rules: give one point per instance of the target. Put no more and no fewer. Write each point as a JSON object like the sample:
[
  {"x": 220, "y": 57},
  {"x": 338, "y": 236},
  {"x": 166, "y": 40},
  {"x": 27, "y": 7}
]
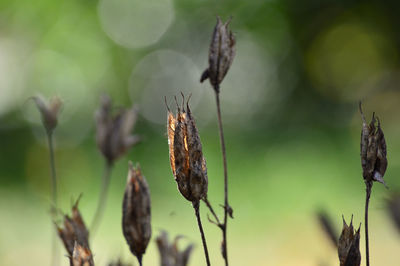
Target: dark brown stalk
[
  {"x": 196, "y": 206},
  {"x": 368, "y": 195},
  {"x": 227, "y": 208},
  {"x": 102, "y": 198}
]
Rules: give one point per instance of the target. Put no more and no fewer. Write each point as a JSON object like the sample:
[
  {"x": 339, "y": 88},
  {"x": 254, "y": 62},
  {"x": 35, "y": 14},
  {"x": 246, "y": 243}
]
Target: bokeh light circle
[{"x": 135, "y": 23}]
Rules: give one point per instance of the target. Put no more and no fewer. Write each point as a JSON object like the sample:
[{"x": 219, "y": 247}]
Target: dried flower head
[
  {"x": 221, "y": 54},
  {"x": 186, "y": 156},
  {"x": 74, "y": 231},
  {"x": 113, "y": 134},
  {"x": 393, "y": 206},
  {"x": 349, "y": 245},
  {"x": 170, "y": 254},
  {"x": 81, "y": 256},
  {"x": 136, "y": 213},
  {"x": 49, "y": 111},
  {"x": 373, "y": 150}
]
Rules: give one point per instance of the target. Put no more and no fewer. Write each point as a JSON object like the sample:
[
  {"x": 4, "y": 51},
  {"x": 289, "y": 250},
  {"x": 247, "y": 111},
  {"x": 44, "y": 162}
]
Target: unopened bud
[
  {"x": 136, "y": 213},
  {"x": 49, "y": 111},
  {"x": 349, "y": 245},
  {"x": 373, "y": 150},
  {"x": 221, "y": 54},
  {"x": 186, "y": 156}
]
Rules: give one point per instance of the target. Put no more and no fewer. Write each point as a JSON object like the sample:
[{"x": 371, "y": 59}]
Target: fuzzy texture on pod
[
  {"x": 221, "y": 54},
  {"x": 113, "y": 132},
  {"x": 170, "y": 255},
  {"x": 49, "y": 111},
  {"x": 136, "y": 213},
  {"x": 81, "y": 256},
  {"x": 349, "y": 245},
  {"x": 373, "y": 150},
  {"x": 186, "y": 156},
  {"x": 74, "y": 231}
]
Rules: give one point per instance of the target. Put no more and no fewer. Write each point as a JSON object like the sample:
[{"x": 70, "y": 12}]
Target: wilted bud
[
  {"x": 393, "y": 206},
  {"x": 186, "y": 156},
  {"x": 170, "y": 254},
  {"x": 349, "y": 245},
  {"x": 136, "y": 213},
  {"x": 81, "y": 256},
  {"x": 327, "y": 227},
  {"x": 48, "y": 111},
  {"x": 373, "y": 150},
  {"x": 113, "y": 133},
  {"x": 74, "y": 231},
  {"x": 221, "y": 54}
]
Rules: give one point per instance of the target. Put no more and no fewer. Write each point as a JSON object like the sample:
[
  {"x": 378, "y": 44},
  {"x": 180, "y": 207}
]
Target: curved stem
[
  {"x": 226, "y": 204},
  {"x": 102, "y": 198},
  {"x": 196, "y": 206},
  {"x": 368, "y": 195}
]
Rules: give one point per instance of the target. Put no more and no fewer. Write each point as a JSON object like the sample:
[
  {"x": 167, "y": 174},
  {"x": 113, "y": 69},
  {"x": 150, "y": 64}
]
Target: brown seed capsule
[
  {"x": 81, "y": 256},
  {"x": 373, "y": 150},
  {"x": 170, "y": 254},
  {"x": 74, "y": 230},
  {"x": 349, "y": 245},
  {"x": 113, "y": 133},
  {"x": 49, "y": 111},
  {"x": 221, "y": 54},
  {"x": 186, "y": 156},
  {"x": 136, "y": 213}
]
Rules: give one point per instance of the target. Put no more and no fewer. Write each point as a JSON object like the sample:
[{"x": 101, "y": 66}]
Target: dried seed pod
[
  {"x": 74, "y": 231},
  {"x": 349, "y": 245},
  {"x": 170, "y": 254},
  {"x": 49, "y": 111},
  {"x": 373, "y": 150},
  {"x": 113, "y": 133},
  {"x": 136, "y": 213},
  {"x": 221, "y": 54},
  {"x": 81, "y": 256},
  {"x": 186, "y": 156}
]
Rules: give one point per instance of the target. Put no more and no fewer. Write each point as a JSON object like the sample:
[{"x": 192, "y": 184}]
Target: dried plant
[
  {"x": 373, "y": 162},
  {"x": 170, "y": 255},
  {"x": 393, "y": 207},
  {"x": 136, "y": 212},
  {"x": 113, "y": 136},
  {"x": 349, "y": 245},
  {"x": 327, "y": 227},
  {"x": 81, "y": 256},
  {"x": 220, "y": 58},
  {"x": 75, "y": 234},
  {"x": 187, "y": 162}
]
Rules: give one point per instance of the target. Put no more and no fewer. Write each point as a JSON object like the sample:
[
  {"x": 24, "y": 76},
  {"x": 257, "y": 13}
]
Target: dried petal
[
  {"x": 221, "y": 54},
  {"x": 74, "y": 230},
  {"x": 113, "y": 132},
  {"x": 81, "y": 256},
  {"x": 49, "y": 111},
  {"x": 136, "y": 213},
  {"x": 349, "y": 245},
  {"x": 170, "y": 254},
  {"x": 186, "y": 156}
]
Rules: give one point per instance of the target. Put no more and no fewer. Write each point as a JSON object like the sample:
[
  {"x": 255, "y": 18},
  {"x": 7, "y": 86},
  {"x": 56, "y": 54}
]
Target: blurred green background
[{"x": 289, "y": 105}]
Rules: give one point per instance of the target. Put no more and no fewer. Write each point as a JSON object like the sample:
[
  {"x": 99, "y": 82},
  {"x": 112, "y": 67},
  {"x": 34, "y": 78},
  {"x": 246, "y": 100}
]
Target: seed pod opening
[
  {"x": 373, "y": 150},
  {"x": 136, "y": 212},
  {"x": 186, "y": 156},
  {"x": 221, "y": 54},
  {"x": 349, "y": 245}
]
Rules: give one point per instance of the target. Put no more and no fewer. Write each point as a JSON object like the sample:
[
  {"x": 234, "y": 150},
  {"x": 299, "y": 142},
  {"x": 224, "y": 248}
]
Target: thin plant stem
[
  {"x": 224, "y": 226},
  {"x": 53, "y": 188},
  {"x": 196, "y": 206},
  {"x": 101, "y": 204},
  {"x": 368, "y": 195},
  {"x": 208, "y": 204}
]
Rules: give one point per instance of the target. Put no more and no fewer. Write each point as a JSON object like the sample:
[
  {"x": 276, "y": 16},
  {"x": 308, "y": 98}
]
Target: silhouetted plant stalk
[
  {"x": 114, "y": 139},
  {"x": 187, "y": 162},
  {"x": 221, "y": 54},
  {"x": 373, "y": 162},
  {"x": 49, "y": 114}
]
